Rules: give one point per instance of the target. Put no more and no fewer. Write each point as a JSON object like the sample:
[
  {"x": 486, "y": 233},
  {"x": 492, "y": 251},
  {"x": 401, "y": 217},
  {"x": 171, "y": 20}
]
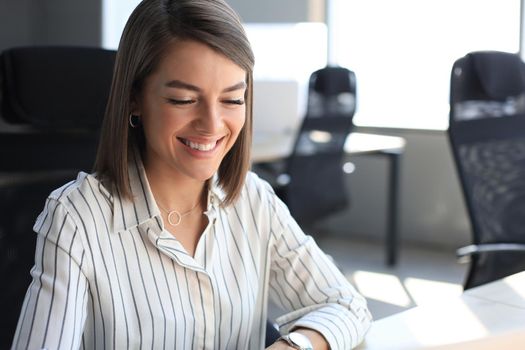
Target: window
[
  {"x": 402, "y": 52},
  {"x": 115, "y": 14},
  {"x": 286, "y": 54}
]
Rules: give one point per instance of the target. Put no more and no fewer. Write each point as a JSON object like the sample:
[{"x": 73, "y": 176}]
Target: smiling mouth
[{"x": 203, "y": 147}]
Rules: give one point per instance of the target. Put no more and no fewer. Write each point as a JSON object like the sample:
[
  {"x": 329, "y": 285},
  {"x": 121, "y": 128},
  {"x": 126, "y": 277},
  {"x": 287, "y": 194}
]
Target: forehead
[{"x": 191, "y": 60}]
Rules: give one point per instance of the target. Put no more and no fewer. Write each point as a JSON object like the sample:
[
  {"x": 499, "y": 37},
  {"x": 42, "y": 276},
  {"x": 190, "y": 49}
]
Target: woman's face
[{"x": 192, "y": 110}]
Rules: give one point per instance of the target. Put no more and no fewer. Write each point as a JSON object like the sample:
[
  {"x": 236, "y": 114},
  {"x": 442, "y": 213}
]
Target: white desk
[
  {"x": 485, "y": 317},
  {"x": 268, "y": 147}
]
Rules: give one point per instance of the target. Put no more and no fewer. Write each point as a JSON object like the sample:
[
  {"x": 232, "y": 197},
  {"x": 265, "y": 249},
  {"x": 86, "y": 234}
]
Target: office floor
[{"x": 421, "y": 276}]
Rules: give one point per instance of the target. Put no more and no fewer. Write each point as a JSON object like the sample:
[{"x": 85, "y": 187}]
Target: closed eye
[
  {"x": 180, "y": 102},
  {"x": 235, "y": 102}
]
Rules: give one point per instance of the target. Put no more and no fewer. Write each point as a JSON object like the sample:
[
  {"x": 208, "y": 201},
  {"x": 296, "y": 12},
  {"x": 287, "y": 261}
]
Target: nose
[{"x": 209, "y": 121}]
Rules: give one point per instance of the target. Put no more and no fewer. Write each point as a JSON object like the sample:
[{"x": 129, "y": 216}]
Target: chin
[{"x": 203, "y": 176}]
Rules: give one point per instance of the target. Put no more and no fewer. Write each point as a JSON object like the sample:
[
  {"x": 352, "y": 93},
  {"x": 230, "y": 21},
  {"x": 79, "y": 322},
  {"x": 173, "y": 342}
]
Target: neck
[{"x": 174, "y": 192}]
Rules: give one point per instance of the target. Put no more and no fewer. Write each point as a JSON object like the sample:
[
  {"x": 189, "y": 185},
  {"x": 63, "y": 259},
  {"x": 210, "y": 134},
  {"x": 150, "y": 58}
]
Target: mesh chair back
[
  {"x": 487, "y": 134},
  {"x": 316, "y": 187},
  {"x": 53, "y": 101}
]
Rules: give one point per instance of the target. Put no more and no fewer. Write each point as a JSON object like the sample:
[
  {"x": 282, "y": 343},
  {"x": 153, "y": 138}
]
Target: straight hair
[{"x": 152, "y": 27}]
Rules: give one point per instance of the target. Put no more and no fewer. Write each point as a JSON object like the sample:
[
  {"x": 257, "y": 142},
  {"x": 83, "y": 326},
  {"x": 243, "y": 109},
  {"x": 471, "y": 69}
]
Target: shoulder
[
  {"x": 254, "y": 185},
  {"x": 62, "y": 219},
  {"x": 259, "y": 195},
  {"x": 74, "y": 201},
  {"x": 84, "y": 187},
  {"x": 258, "y": 204}
]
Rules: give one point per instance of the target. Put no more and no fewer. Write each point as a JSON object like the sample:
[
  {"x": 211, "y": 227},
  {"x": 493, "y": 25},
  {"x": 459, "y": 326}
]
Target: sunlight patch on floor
[
  {"x": 513, "y": 284},
  {"x": 388, "y": 288},
  {"x": 380, "y": 286},
  {"x": 424, "y": 291},
  {"x": 465, "y": 325}
]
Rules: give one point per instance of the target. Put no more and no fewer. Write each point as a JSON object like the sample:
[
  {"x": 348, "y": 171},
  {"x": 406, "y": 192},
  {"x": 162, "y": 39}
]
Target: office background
[{"x": 432, "y": 207}]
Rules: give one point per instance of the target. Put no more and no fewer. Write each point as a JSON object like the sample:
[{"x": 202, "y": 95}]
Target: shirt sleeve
[
  {"x": 305, "y": 282},
  {"x": 54, "y": 309}
]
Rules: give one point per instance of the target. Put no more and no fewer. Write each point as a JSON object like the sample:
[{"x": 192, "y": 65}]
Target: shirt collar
[
  {"x": 131, "y": 213},
  {"x": 215, "y": 191}
]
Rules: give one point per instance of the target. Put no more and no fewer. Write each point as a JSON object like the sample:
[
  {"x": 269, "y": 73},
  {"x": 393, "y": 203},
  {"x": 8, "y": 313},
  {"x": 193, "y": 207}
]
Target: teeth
[{"x": 200, "y": 146}]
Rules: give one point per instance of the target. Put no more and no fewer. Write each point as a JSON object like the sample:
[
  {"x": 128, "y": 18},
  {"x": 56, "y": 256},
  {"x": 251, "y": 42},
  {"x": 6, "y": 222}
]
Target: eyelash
[
  {"x": 180, "y": 102},
  {"x": 235, "y": 102},
  {"x": 187, "y": 102}
]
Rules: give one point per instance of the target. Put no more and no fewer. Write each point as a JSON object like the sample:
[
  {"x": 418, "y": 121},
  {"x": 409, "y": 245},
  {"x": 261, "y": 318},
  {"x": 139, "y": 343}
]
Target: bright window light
[
  {"x": 287, "y": 51},
  {"x": 115, "y": 14},
  {"x": 286, "y": 54},
  {"x": 402, "y": 52}
]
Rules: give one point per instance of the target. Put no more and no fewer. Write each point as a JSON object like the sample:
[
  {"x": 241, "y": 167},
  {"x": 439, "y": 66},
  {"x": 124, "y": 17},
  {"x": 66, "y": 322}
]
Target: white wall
[{"x": 276, "y": 107}]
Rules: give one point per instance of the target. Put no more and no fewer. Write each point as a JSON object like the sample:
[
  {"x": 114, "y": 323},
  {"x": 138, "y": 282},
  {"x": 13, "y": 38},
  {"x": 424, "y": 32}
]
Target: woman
[{"x": 172, "y": 243}]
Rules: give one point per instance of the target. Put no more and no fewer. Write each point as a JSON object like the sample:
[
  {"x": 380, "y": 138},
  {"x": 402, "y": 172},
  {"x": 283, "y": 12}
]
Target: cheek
[
  {"x": 237, "y": 121},
  {"x": 157, "y": 127},
  {"x": 162, "y": 119},
  {"x": 151, "y": 127}
]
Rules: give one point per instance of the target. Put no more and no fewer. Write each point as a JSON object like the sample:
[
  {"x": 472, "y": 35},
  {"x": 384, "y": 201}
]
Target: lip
[{"x": 201, "y": 153}]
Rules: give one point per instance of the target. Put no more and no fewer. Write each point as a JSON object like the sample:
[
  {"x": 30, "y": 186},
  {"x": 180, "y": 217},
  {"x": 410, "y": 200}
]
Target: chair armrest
[{"x": 489, "y": 247}]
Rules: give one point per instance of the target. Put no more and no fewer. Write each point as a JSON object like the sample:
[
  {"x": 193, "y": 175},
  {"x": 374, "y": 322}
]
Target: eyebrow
[{"x": 177, "y": 84}]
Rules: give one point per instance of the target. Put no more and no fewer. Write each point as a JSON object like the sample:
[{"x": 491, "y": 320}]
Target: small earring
[{"x": 134, "y": 120}]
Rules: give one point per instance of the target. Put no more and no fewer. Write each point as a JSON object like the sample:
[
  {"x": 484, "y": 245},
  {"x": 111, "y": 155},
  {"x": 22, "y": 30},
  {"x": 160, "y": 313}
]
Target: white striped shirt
[{"x": 107, "y": 276}]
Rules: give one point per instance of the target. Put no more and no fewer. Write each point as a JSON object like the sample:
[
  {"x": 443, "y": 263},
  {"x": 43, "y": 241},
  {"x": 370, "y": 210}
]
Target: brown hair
[{"x": 152, "y": 26}]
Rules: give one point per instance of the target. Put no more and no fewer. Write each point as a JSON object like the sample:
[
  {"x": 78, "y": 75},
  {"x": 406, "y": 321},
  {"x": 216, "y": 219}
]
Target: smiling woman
[
  {"x": 172, "y": 243},
  {"x": 192, "y": 111}
]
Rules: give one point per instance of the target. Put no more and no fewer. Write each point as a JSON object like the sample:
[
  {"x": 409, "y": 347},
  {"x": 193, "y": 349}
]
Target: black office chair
[
  {"x": 311, "y": 180},
  {"x": 487, "y": 135},
  {"x": 52, "y": 103}
]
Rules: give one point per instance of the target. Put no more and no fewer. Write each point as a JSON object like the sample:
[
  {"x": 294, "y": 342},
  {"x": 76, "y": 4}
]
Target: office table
[
  {"x": 272, "y": 146},
  {"x": 485, "y": 317}
]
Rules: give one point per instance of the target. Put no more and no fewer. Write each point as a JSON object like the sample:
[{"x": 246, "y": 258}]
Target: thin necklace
[{"x": 177, "y": 214}]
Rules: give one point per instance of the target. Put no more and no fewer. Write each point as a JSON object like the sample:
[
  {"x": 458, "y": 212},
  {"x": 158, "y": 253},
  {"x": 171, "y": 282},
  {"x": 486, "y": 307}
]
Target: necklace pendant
[{"x": 178, "y": 218}]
